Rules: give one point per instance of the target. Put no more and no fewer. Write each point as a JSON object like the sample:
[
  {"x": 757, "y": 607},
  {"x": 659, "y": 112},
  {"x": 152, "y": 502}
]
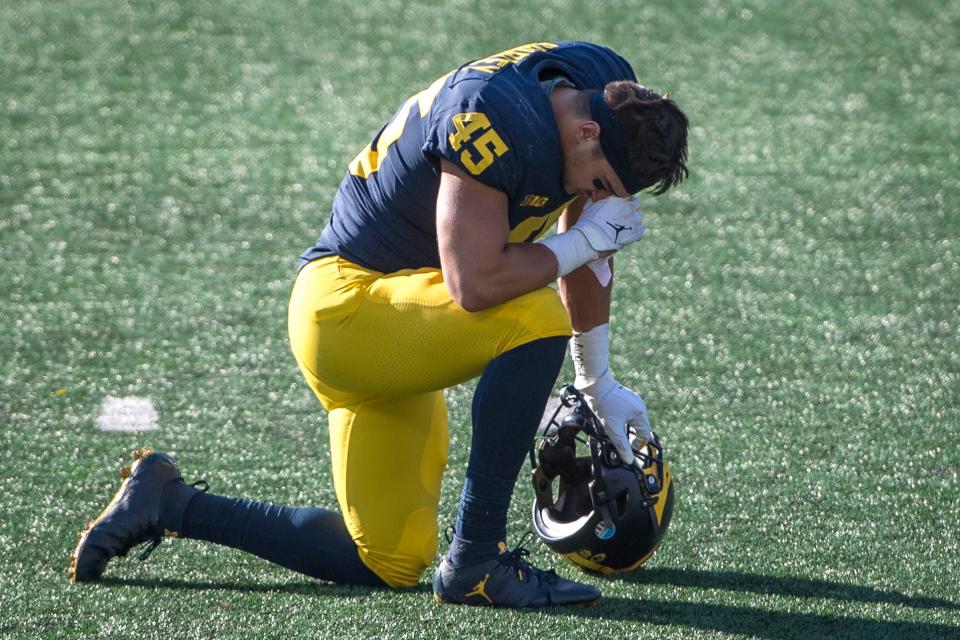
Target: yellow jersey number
[{"x": 484, "y": 144}]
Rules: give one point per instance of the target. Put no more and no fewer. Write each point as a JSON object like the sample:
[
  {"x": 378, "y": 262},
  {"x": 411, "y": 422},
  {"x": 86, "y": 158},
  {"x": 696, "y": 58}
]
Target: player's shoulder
[
  {"x": 502, "y": 89},
  {"x": 539, "y": 55},
  {"x": 491, "y": 129},
  {"x": 491, "y": 83},
  {"x": 492, "y": 116},
  {"x": 587, "y": 64},
  {"x": 509, "y": 81},
  {"x": 491, "y": 97}
]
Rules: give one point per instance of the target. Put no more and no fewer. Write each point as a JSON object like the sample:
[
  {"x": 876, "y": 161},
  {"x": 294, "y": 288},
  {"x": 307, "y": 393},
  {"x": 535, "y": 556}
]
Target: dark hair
[{"x": 656, "y": 132}]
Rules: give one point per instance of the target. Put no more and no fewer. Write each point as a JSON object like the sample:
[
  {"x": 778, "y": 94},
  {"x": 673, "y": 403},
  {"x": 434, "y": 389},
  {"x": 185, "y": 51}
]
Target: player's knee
[
  {"x": 400, "y": 555},
  {"x": 398, "y": 570}
]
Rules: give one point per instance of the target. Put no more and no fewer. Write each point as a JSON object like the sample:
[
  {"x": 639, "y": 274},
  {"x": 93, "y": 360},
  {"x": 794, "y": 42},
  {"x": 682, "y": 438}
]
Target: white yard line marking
[{"x": 127, "y": 414}]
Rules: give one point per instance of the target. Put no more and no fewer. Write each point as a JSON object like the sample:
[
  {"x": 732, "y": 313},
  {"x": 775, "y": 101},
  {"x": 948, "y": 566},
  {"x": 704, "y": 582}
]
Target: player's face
[{"x": 586, "y": 172}]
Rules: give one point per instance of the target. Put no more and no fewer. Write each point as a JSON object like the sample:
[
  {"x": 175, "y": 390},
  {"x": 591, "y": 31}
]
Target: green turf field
[{"x": 792, "y": 317}]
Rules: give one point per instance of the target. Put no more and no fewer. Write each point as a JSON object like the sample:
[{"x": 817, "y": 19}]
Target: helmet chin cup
[{"x": 590, "y": 507}]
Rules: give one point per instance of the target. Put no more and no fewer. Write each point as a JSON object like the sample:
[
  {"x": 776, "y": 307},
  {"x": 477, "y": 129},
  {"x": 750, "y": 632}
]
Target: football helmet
[{"x": 604, "y": 516}]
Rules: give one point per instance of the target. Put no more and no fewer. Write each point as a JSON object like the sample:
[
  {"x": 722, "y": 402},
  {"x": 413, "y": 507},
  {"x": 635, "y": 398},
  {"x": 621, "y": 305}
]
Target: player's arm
[
  {"x": 586, "y": 299},
  {"x": 623, "y": 413},
  {"x": 481, "y": 269}
]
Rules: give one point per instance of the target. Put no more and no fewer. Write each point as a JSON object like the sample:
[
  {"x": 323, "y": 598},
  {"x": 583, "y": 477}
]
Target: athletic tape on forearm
[
  {"x": 572, "y": 250},
  {"x": 591, "y": 355}
]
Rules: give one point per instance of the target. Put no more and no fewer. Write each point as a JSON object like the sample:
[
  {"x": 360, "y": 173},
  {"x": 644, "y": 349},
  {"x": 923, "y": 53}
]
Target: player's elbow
[
  {"x": 472, "y": 297},
  {"x": 472, "y": 302}
]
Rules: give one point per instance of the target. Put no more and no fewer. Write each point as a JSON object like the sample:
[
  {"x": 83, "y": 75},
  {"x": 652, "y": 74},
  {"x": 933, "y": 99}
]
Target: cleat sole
[{"x": 584, "y": 605}]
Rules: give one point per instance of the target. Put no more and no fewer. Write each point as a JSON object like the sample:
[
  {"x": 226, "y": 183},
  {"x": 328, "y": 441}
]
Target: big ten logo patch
[{"x": 534, "y": 200}]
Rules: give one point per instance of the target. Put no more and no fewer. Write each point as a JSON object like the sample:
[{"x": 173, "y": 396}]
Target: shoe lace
[
  {"x": 148, "y": 548},
  {"x": 153, "y": 543},
  {"x": 516, "y": 560}
]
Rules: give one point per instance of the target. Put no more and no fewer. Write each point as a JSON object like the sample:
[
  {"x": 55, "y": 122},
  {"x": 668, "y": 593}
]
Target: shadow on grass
[
  {"x": 763, "y": 622},
  {"x": 726, "y": 619},
  {"x": 783, "y": 586},
  {"x": 301, "y": 588},
  {"x": 755, "y": 622}
]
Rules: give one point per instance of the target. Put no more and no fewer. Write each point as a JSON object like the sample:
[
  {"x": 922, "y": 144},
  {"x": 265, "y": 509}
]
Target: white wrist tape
[
  {"x": 601, "y": 269},
  {"x": 591, "y": 355},
  {"x": 572, "y": 250}
]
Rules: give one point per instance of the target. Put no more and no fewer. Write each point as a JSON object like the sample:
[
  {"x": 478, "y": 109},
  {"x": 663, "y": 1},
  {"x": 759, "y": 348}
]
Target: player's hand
[
  {"x": 611, "y": 224},
  {"x": 622, "y": 412}
]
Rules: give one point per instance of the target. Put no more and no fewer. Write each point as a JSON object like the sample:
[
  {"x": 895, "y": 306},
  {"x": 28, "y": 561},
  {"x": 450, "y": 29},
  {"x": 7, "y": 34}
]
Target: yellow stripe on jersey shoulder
[
  {"x": 368, "y": 161},
  {"x": 426, "y": 97}
]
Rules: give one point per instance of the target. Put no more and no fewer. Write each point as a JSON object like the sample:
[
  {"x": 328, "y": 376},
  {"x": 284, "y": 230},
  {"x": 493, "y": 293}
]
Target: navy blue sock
[
  {"x": 507, "y": 409},
  {"x": 312, "y": 541}
]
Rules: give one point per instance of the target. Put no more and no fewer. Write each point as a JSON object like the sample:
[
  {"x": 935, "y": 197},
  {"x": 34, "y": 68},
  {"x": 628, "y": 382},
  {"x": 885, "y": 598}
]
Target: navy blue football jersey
[{"x": 491, "y": 118}]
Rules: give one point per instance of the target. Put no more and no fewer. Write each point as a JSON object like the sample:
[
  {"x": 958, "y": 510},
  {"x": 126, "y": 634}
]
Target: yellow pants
[{"x": 378, "y": 349}]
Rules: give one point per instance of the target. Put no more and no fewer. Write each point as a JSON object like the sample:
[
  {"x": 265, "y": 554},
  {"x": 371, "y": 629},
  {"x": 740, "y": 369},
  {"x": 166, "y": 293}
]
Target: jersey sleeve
[{"x": 477, "y": 135}]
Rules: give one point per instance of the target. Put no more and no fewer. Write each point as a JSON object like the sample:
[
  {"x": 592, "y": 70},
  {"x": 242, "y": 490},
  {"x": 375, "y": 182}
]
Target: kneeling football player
[{"x": 432, "y": 270}]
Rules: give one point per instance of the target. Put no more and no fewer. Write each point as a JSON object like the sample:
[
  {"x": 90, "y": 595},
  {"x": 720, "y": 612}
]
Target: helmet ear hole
[{"x": 622, "y": 503}]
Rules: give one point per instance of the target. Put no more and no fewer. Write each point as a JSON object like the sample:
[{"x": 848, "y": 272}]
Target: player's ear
[{"x": 588, "y": 131}]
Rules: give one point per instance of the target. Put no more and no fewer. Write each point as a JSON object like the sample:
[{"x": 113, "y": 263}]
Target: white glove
[
  {"x": 621, "y": 411},
  {"x": 611, "y": 224},
  {"x": 603, "y": 227}
]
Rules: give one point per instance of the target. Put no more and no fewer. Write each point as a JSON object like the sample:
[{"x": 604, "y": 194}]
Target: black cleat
[
  {"x": 509, "y": 581},
  {"x": 151, "y": 488}
]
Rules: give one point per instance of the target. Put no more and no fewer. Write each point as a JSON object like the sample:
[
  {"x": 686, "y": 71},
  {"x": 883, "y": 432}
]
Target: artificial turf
[{"x": 791, "y": 317}]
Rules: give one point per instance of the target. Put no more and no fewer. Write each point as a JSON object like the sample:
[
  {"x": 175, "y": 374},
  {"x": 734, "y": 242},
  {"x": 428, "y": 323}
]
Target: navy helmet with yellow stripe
[{"x": 603, "y": 515}]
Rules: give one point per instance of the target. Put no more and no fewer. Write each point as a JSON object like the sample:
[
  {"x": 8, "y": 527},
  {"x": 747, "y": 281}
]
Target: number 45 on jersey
[{"x": 483, "y": 144}]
